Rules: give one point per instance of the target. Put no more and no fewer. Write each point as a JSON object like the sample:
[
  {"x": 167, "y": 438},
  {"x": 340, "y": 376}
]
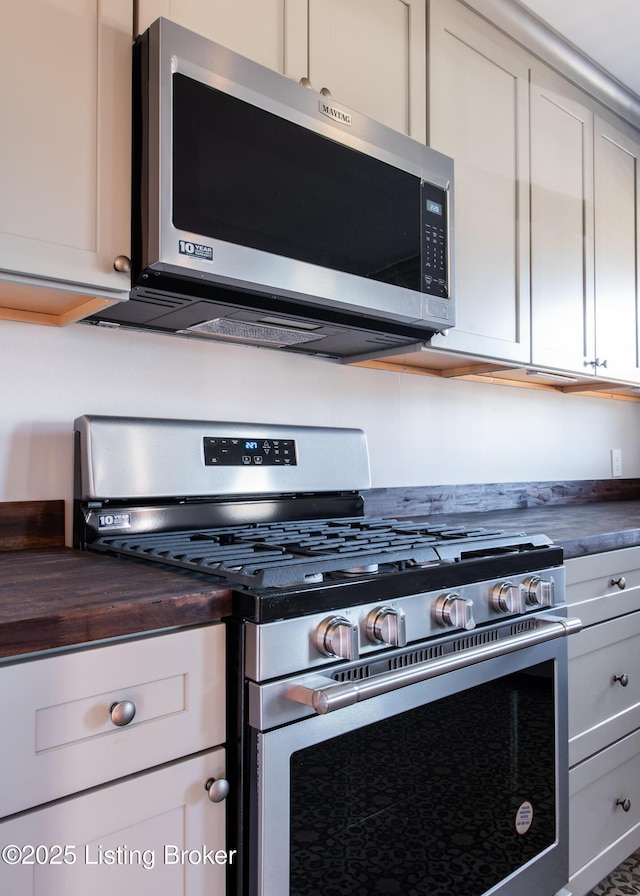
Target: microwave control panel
[{"x": 435, "y": 241}]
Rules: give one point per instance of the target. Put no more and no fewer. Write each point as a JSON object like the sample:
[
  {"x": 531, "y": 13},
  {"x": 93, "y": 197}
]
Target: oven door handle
[{"x": 336, "y": 696}]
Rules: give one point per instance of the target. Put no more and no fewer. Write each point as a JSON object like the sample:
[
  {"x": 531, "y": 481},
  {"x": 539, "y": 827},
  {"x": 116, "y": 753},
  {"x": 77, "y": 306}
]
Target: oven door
[{"x": 454, "y": 784}]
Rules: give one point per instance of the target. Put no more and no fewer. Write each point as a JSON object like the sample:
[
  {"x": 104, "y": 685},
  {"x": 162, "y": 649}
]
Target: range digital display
[{"x": 249, "y": 452}]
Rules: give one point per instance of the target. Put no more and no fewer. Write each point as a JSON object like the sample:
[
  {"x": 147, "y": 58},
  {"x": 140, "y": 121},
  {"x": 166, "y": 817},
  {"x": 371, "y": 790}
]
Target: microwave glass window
[{"x": 239, "y": 173}]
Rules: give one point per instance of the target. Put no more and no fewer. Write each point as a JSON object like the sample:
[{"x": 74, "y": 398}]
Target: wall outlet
[{"x": 616, "y": 462}]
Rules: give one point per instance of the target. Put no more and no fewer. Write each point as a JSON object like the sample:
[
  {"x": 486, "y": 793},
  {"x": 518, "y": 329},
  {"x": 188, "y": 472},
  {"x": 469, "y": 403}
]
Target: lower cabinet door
[
  {"x": 155, "y": 833},
  {"x": 604, "y": 812}
]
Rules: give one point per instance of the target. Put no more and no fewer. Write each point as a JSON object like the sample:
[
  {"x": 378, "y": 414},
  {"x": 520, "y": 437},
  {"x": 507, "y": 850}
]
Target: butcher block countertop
[
  {"x": 52, "y": 596},
  {"x": 579, "y": 529}
]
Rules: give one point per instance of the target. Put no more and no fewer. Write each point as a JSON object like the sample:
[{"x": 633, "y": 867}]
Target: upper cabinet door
[
  {"x": 371, "y": 56},
  {"x": 253, "y": 28},
  {"x": 562, "y": 297},
  {"x": 617, "y": 235},
  {"x": 479, "y": 115},
  {"x": 368, "y": 54},
  {"x": 65, "y": 175}
]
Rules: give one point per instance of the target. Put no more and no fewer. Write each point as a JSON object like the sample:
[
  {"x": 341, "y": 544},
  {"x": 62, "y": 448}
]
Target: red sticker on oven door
[{"x": 524, "y": 817}]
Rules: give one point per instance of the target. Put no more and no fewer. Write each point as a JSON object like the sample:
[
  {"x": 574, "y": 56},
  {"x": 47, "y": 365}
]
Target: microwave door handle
[{"x": 336, "y": 696}]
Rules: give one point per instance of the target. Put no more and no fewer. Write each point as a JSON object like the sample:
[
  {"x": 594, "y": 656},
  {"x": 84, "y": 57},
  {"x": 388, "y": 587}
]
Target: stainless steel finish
[
  {"x": 538, "y": 592},
  {"x": 172, "y": 50},
  {"x": 453, "y": 611},
  {"x": 621, "y": 583},
  {"x": 280, "y": 648},
  {"x": 145, "y": 457},
  {"x": 217, "y": 789},
  {"x": 336, "y": 696},
  {"x": 386, "y": 625},
  {"x": 337, "y": 636},
  {"x": 507, "y": 598},
  {"x": 122, "y": 263},
  {"x": 122, "y": 712},
  {"x": 626, "y": 804},
  {"x": 275, "y": 748},
  {"x": 622, "y": 679}
]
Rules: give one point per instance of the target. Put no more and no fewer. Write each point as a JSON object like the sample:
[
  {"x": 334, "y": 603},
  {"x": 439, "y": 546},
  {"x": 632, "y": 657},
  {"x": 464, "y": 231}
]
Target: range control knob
[
  {"x": 539, "y": 592},
  {"x": 453, "y": 611},
  {"x": 338, "y": 636},
  {"x": 506, "y": 597},
  {"x": 387, "y": 626}
]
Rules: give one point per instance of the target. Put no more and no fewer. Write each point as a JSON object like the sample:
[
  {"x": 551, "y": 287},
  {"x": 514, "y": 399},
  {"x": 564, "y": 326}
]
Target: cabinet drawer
[
  {"x": 59, "y": 737},
  {"x": 605, "y": 585},
  {"x": 601, "y": 833},
  {"x": 126, "y": 838},
  {"x": 601, "y": 708}
]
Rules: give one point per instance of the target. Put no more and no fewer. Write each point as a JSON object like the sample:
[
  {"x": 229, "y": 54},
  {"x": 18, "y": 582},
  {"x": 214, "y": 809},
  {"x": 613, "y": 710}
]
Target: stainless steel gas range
[{"x": 397, "y": 689}]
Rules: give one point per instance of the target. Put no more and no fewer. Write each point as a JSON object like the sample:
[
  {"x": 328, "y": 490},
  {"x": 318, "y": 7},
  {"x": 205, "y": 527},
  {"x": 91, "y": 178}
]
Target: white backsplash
[{"x": 421, "y": 430}]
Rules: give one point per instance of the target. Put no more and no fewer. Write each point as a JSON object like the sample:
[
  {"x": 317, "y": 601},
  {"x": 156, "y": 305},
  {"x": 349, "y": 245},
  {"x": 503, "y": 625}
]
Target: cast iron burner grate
[{"x": 278, "y": 554}]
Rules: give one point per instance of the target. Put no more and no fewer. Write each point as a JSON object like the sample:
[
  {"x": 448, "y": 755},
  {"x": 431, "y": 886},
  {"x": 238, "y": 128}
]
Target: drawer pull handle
[
  {"x": 621, "y": 583},
  {"x": 122, "y": 713},
  {"x": 218, "y": 789},
  {"x": 626, "y": 804},
  {"x": 623, "y": 679}
]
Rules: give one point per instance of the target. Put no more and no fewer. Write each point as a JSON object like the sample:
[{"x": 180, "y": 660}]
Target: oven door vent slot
[
  {"x": 476, "y": 640},
  {"x": 416, "y": 656},
  {"x": 357, "y": 674},
  {"x": 389, "y": 664},
  {"x": 523, "y": 625}
]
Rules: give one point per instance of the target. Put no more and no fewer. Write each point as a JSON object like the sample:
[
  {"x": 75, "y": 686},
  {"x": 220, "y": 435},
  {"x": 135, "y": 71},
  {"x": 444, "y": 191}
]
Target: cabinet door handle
[
  {"x": 122, "y": 712},
  {"x": 217, "y": 789},
  {"x": 621, "y": 583},
  {"x": 122, "y": 264},
  {"x": 307, "y": 83},
  {"x": 623, "y": 679},
  {"x": 626, "y": 804}
]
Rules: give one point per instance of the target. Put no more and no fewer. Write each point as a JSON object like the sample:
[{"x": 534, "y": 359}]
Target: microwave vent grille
[{"x": 255, "y": 334}]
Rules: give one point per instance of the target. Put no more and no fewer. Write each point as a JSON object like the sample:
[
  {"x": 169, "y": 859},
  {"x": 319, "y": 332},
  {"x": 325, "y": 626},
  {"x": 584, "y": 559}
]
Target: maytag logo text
[{"x": 334, "y": 112}]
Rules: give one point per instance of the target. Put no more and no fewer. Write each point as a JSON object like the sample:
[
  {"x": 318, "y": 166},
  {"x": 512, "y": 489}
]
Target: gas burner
[
  {"x": 371, "y": 569},
  {"x": 304, "y": 552}
]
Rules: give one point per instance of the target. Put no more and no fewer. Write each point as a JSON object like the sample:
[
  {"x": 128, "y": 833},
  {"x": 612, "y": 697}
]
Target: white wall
[{"x": 421, "y": 430}]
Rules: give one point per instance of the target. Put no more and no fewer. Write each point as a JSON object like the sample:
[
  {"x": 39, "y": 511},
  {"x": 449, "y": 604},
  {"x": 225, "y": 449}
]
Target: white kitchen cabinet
[
  {"x": 73, "y": 777},
  {"x": 562, "y": 286},
  {"x": 602, "y": 833},
  {"x": 617, "y": 255},
  {"x": 584, "y": 237},
  {"x": 369, "y": 54},
  {"x": 479, "y": 115},
  {"x": 253, "y": 28},
  {"x": 63, "y": 739},
  {"x": 65, "y": 175},
  {"x": 604, "y": 714},
  {"x": 153, "y": 833}
]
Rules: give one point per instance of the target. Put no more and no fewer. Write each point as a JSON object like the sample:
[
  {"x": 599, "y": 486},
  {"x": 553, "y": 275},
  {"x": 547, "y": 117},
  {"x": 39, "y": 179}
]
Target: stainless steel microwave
[{"x": 266, "y": 213}]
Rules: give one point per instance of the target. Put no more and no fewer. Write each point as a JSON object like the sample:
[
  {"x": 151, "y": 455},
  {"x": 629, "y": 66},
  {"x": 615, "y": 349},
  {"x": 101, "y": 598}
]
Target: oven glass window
[
  {"x": 443, "y": 800},
  {"x": 246, "y": 176}
]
